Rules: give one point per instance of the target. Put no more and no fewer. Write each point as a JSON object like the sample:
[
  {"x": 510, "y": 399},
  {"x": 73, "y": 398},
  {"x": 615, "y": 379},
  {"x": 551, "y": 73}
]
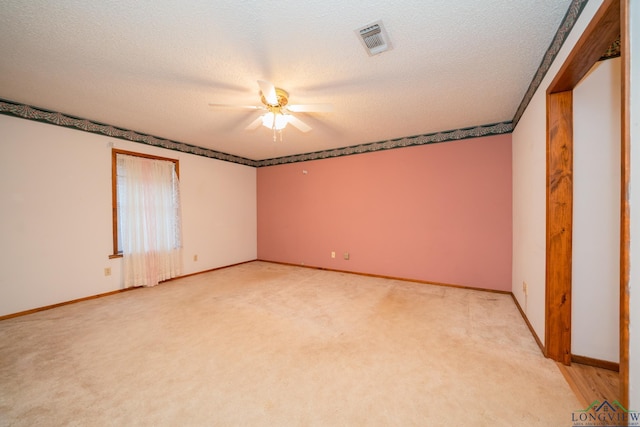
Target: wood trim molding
[
  {"x": 590, "y": 361},
  {"x": 609, "y": 22},
  {"x": 60, "y": 304},
  {"x": 106, "y": 294},
  {"x": 208, "y": 271},
  {"x": 625, "y": 236},
  {"x": 526, "y": 320},
  {"x": 116, "y": 151},
  {"x": 559, "y": 225},
  {"x": 114, "y": 203},
  {"x": 48, "y": 307},
  {"x": 404, "y": 279},
  {"x": 601, "y": 32}
]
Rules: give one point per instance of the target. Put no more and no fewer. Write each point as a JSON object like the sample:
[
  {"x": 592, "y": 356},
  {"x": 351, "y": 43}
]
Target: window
[{"x": 146, "y": 217}]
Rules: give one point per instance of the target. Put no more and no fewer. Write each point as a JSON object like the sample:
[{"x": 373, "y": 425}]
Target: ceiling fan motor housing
[{"x": 282, "y": 96}]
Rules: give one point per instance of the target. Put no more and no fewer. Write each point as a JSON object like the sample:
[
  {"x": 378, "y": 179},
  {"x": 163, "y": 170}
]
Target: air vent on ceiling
[{"x": 374, "y": 38}]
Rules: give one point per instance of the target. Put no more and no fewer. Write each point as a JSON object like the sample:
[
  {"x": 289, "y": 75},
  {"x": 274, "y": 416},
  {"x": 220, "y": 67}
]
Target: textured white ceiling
[{"x": 153, "y": 66}]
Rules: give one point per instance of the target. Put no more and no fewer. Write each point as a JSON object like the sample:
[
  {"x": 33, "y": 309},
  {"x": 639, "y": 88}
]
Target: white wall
[
  {"x": 634, "y": 192},
  {"x": 529, "y": 187},
  {"x": 55, "y": 185},
  {"x": 595, "y": 292}
]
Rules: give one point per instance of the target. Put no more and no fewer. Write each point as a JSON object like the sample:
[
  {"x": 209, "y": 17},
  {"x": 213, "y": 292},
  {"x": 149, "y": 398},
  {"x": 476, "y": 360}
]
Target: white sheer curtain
[{"x": 149, "y": 225}]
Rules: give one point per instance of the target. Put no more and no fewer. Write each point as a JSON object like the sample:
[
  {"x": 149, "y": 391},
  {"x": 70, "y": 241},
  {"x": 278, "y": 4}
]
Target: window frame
[{"x": 114, "y": 188}]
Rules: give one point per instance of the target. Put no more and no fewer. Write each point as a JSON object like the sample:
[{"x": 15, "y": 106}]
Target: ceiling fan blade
[
  {"x": 296, "y": 122},
  {"x": 236, "y": 107},
  {"x": 269, "y": 92},
  {"x": 310, "y": 108},
  {"x": 254, "y": 124}
]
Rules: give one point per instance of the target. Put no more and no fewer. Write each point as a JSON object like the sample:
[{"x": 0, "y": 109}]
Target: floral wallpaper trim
[
  {"x": 59, "y": 119},
  {"x": 613, "y": 51},
  {"x": 574, "y": 11},
  {"x": 432, "y": 138}
]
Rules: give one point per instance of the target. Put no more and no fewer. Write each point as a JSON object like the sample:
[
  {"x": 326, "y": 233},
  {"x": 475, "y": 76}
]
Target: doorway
[{"x": 603, "y": 30}]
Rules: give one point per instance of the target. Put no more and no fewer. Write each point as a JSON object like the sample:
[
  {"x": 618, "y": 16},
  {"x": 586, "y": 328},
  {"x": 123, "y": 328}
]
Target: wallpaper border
[
  {"x": 613, "y": 51},
  {"x": 59, "y": 119},
  {"x": 432, "y": 138},
  {"x": 54, "y": 118},
  {"x": 570, "y": 18}
]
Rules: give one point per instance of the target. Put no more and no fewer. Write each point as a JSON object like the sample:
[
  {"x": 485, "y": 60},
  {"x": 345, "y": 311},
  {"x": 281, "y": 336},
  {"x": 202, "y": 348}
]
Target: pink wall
[{"x": 439, "y": 213}]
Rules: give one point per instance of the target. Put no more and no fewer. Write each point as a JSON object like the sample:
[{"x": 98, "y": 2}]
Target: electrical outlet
[
  {"x": 107, "y": 271},
  {"x": 195, "y": 257},
  {"x": 333, "y": 254},
  {"x": 346, "y": 255}
]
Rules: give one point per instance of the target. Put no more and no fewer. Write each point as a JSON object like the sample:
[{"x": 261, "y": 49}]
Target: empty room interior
[{"x": 319, "y": 213}]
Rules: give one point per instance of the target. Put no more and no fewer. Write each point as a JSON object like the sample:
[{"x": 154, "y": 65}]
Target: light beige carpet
[{"x": 262, "y": 344}]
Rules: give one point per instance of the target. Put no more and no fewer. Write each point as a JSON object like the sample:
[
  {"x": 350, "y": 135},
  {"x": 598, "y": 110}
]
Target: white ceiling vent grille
[{"x": 374, "y": 38}]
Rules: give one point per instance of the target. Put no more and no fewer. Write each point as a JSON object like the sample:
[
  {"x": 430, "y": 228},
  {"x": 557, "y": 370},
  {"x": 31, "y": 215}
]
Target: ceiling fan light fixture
[
  {"x": 275, "y": 121},
  {"x": 275, "y": 103}
]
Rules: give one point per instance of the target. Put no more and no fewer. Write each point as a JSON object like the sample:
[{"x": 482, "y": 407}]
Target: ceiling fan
[{"x": 275, "y": 103}]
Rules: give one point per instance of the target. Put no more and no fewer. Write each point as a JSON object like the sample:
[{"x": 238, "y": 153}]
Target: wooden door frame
[{"x": 601, "y": 32}]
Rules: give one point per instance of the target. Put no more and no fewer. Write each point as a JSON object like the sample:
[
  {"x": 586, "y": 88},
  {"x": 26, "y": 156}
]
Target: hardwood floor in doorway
[{"x": 590, "y": 383}]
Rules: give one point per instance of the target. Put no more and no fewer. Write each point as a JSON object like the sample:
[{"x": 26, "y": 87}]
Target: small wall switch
[
  {"x": 346, "y": 255},
  {"x": 333, "y": 254},
  {"x": 107, "y": 271}
]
